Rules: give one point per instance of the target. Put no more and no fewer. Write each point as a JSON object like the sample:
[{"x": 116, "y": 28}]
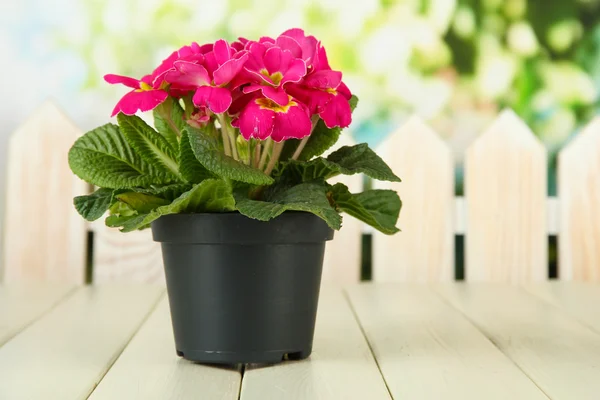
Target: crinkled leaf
[
  {"x": 168, "y": 192},
  {"x": 321, "y": 139},
  {"x": 169, "y": 122},
  {"x": 141, "y": 202},
  {"x": 309, "y": 197},
  {"x": 93, "y": 206},
  {"x": 190, "y": 168},
  {"x": 361, "y": 159},
  {"x": 319, "y": 168},
  {"x": 206, "y": 149},
  {"x": 149, "y": 144},
  {"x": 378, "y": 208},
  {"x": 211, "y": 195},
  {"x": 104, "y": 158}
]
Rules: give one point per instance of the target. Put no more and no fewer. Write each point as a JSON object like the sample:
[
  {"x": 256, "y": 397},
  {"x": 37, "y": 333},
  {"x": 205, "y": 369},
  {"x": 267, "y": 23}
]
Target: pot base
[{"x": 258, "y": 357}]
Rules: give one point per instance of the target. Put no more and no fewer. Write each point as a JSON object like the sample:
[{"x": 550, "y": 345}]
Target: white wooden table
[{"x": 373, "y": 341}]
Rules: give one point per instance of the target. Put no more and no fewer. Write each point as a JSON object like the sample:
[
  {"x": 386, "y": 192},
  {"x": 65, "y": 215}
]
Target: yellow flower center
[
  {"x": 332, "y": 91},
  {"x": 144, "y": 87},
  {"x": 275, "y": 77},
  {"x": 268, "y": 104}
]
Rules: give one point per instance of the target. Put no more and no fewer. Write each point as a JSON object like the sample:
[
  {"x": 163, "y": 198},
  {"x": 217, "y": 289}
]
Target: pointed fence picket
[
  {"x": 45, "y": 239},
  {"x": 579, "y": 191},
  {"x": 505, "y": 214},
  {"x": 505, "y": 191},
  {"x": 423, "y": 251}
]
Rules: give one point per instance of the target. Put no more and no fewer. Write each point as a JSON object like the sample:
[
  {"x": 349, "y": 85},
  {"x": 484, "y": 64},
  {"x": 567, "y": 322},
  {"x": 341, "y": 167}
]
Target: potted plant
[{"x": 232, "y": 182}]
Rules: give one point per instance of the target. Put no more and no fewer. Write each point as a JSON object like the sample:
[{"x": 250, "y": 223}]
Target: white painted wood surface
[
  {"x": 340, "y": 367},
  {"x": 554, "y": 349},
  {"x": 428, "y": 351},
  {"x": 505, "y": 191},
  {"x": 149, "y": 369},
  {"x": 342, "y": 260},
  {"x": 126, "y": 257},
  {"x": 581, "y": 300},
  {"x": 424, "y": 250},
  {"x": 579, "y": 191},
  {"x": 22, "y": 304},
  {"x": 66, "y": 353},
  {"x": 44, "y": 237}
]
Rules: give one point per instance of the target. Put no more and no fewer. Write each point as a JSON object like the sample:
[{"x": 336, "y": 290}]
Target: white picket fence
[{"x": 504, "y": 215}]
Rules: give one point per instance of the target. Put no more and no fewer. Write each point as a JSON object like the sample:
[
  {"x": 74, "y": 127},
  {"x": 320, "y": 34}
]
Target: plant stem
[
  {"x": 305, "y": 140},
  {"x": 256, "y": 154},
  {"x": 233, "y": 141},
  {"x": 265, "y": 153},
  {"x": 226, "y": 145},
  {"x": 277, "y": 148}
]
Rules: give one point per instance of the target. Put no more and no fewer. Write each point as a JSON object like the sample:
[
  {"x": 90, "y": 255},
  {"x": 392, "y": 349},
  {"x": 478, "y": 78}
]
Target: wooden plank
[
  {"x": 44, "y": 237},
  {"x": 131, "y": 257},
  {"x": 579, "y": 192},
  {"x": 66, "y": 353},
  {"x": 505, "y": 191},
  {"x": 149, "y": 369},
  {"x": 340, "y": 367},
  {"x": 342, "y": 262},
  {"x": 428, "y": 351},
  {"x": 423, "y": 251},
  {"x": 558, "y": 353},
  {"x": 22, "y": 304},
  {"x": 577, "y": 298}
]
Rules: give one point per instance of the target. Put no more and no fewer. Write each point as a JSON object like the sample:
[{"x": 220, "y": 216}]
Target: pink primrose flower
[{"x": 143, "y": 97}]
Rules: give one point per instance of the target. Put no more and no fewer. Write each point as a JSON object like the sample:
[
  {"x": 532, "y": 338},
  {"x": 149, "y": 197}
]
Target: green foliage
[
  {"x": 360, "y": 158},
  {"x": 211, "y": 195},
  {"x": 310, "y": 197},
  {"x": 149, "y": 144},
  {"x": 348, "y": 160},
  {"x": 206, "y": 149},
  {"x": 104, "y": 158},
  {"x": 190, "y": 168},
  {"x": 377, "y": 208},
  {"x": 145, "y": 174},
  {"x": 169, "y": 122},
  {"x": 94, "y": 206}
]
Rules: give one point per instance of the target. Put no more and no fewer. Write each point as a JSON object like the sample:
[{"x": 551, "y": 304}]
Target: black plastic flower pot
[{"x": 242, "y": 290}]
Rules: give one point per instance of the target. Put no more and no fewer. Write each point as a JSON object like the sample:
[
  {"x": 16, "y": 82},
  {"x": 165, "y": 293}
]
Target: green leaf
[
  {"x": 190, "y": 168},
  {"x": 168, "y": 192},
  {"x": 294, "y": 171},
  {"x": 141, "y": 202},
  {"x": 93, "y": 206},
  {"x": 360, "y": 158},
  {"x": 309, "y": 197},
  {"x": 149, "y": 144},
  {"x": 378, "y": 208},
  {"x": 169, "y": 122},
  {"x": 320, "y": 140},
  {"x": 206, "y": 149},
  {"x": 211, "y": 195},
  {"x": 104, "y": 158}
]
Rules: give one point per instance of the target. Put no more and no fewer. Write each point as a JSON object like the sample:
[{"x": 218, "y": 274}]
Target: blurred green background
[{"x": 456, "y": 63}]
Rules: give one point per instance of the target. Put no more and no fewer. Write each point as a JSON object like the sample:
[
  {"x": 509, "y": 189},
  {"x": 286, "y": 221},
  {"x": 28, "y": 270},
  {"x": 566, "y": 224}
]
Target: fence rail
[{"x": 505, "y": 214}]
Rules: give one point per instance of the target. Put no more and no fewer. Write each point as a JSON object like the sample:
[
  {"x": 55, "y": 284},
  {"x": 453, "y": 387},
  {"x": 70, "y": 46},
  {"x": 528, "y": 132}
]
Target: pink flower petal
[
  {"x": 216, "y": 99},
  {"x": 226, "y": 72},
  {"x": 307, "y": 43},
  {"x": 320, "y": 61},
  {"x": 290, "y": 44},
  {"x": 272, "y": 59},
  {"x": 256, "y": 122},
  {"x": 337, "y": 112},
  {"x": 136, "y": 100},
  {"x": 251, "y": 88},
  {"x": 295, "y": 123},
  {"x": 124, "y": 80},
  {"x": 279, "y": 96},
  {"x": 221, "y": 51},
  {"x": 344, "y": 91},
  {"x": 187, "y": 75},
  {"x": 295, "y": 72},
  {"x": 266, "y": 39},
  {"x": 324, "y": 79}
]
